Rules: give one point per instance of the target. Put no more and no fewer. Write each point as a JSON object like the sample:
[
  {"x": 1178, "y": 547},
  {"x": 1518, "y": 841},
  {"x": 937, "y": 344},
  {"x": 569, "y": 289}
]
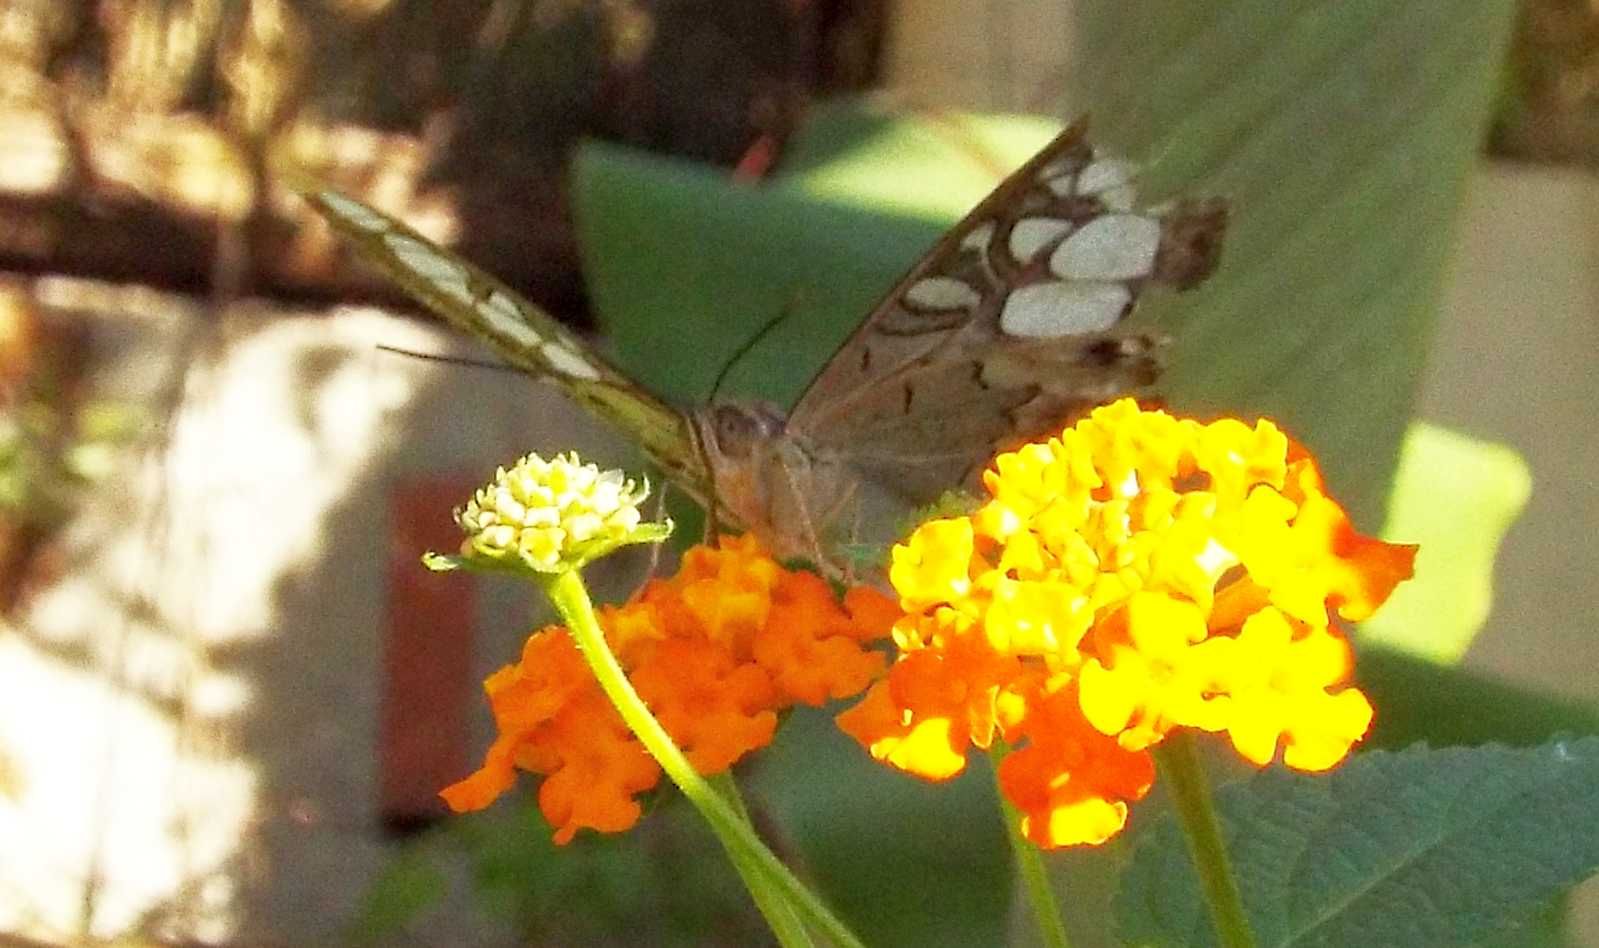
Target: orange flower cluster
[
  {"x": 1138, "y": 573},
  {"x": 716, "y": 652}
]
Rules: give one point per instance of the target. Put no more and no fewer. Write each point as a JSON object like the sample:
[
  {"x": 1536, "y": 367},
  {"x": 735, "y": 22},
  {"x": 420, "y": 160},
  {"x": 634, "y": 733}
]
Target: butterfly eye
[{"x": 739, "y": 427}]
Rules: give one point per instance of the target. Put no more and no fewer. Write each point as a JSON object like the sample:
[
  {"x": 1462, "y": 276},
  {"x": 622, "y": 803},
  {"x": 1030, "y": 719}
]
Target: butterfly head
[
  {"x": 734, "y": 430},
  {"x": 765, "y": 478}
]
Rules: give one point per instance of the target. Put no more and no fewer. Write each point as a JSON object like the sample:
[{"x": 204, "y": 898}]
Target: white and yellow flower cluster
[{"x": 552, "y": 515}]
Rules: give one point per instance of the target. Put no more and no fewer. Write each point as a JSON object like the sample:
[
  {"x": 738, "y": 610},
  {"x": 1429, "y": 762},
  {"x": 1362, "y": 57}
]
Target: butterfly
[{"x": 1006, "y": 329}]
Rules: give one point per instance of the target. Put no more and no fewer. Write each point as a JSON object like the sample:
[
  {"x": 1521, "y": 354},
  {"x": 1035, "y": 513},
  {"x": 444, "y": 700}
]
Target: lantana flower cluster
[
  {"x": 1136, "y": 574},
  {"x": 717, "y": 652},
  {"x": 549, "y": 514}
]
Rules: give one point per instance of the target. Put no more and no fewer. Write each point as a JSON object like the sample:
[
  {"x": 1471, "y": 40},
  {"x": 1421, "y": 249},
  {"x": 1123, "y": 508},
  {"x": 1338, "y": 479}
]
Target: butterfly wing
[
  {"x": 1009, "y": 325},
  {"x": 519, "y": 332}
]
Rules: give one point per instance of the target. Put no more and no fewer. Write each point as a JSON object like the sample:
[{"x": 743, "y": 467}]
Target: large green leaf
[
  {"x": 1342, "y": 133},
  {"x": 686, "y": 267},
  {"x": 1420, "y": 847}
]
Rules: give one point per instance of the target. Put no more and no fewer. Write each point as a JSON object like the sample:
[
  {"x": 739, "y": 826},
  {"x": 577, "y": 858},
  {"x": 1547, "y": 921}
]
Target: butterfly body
[
  {"x": 1005, "y": 330},
  {"x": 803, "y": 499}
]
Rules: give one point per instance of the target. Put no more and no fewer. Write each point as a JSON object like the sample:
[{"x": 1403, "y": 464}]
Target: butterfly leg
[
  {"x": 655, "y": 548},
  {"x": 802, "y": 510},
  {"x": 848, "y": 501},
  {"x": 854, "y": 542}
]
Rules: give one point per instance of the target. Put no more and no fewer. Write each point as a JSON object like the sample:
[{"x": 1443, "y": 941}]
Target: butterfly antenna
[
  {"x": 750, "y": 343},
  {"x": 711, "y": 521},
  {"x": 451, "y": 360}
]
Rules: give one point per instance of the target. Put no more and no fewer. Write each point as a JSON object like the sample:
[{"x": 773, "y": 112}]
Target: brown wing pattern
[{"x": 1008, "y": 326}]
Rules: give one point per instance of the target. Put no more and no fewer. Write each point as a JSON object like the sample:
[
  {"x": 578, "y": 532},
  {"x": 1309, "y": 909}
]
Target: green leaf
[
  {"x": 906, "y": 862},
  {"x": 1342, "y": 134},
  {"x": 1455, "y": 496},
  {"x": 1419, "y": 847},
  {"x": 664, "y": 882},
  {"x": 407, "y": 887},
  {"x": 685, "y": 267}
]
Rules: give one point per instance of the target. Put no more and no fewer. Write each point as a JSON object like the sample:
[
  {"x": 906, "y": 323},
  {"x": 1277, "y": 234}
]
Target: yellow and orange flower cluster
[
  {"x": 717, "y": 651},
  {"x": 1137, "y": 574}
]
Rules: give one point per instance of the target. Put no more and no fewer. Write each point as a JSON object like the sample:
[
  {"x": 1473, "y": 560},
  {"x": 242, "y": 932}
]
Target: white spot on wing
[
  {"x": 978, "y": 239},
  {"x": 1048, "y": 310},
  {"x": 1111, "y": 181},
  {"x": 941, "y": 293},
  {"x": 1109, "y": 247},
  {"x": 568, "y": 362},
  {"x": 1062, "y": 185},
  {"x": 1058, "y": 167},
  {"x": 355, "y": 212},
  {"x": 1032, "y": 234},
  {"x": 1107, "y": 174},
  {"x": 502, "y": 315},
  {"x": 440, "y": 271}
]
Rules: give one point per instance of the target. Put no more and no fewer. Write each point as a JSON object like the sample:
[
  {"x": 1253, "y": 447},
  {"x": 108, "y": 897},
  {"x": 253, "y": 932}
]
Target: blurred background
[{"x": 229, "y": 694}]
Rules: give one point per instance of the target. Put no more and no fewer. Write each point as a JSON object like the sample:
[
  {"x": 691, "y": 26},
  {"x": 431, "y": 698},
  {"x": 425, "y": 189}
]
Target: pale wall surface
[{"x": 1517, "y": 361}]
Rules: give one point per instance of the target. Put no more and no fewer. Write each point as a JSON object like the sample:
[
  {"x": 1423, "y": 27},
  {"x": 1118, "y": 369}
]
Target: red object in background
[
  {"x": 757, "y": 162},
  {"x": 424, "y": 733}
]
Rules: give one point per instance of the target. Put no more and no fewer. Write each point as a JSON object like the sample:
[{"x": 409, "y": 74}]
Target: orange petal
[{"x": 483, "y": 787}]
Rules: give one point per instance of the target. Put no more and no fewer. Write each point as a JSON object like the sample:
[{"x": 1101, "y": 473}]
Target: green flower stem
[
  {"x": 571, "y": 600},
  {"x": 774, "y": 907},
  {"x": 1189, "y": 789},
  {"x": 1029, "y": 864},
  {"x": 727, "y": 789}
]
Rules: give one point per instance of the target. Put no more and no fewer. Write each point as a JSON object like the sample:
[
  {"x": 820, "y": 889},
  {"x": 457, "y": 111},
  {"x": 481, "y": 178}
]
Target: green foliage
[
  {"x": 1342, "y": 134},
  {"x": 904, "y": 861},
  {"x": 1419, "y": 847},
  {"x": 48, "y": 457},
  {"x": 595, "y": 890},
  {"x": 409, "y": 885}
]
